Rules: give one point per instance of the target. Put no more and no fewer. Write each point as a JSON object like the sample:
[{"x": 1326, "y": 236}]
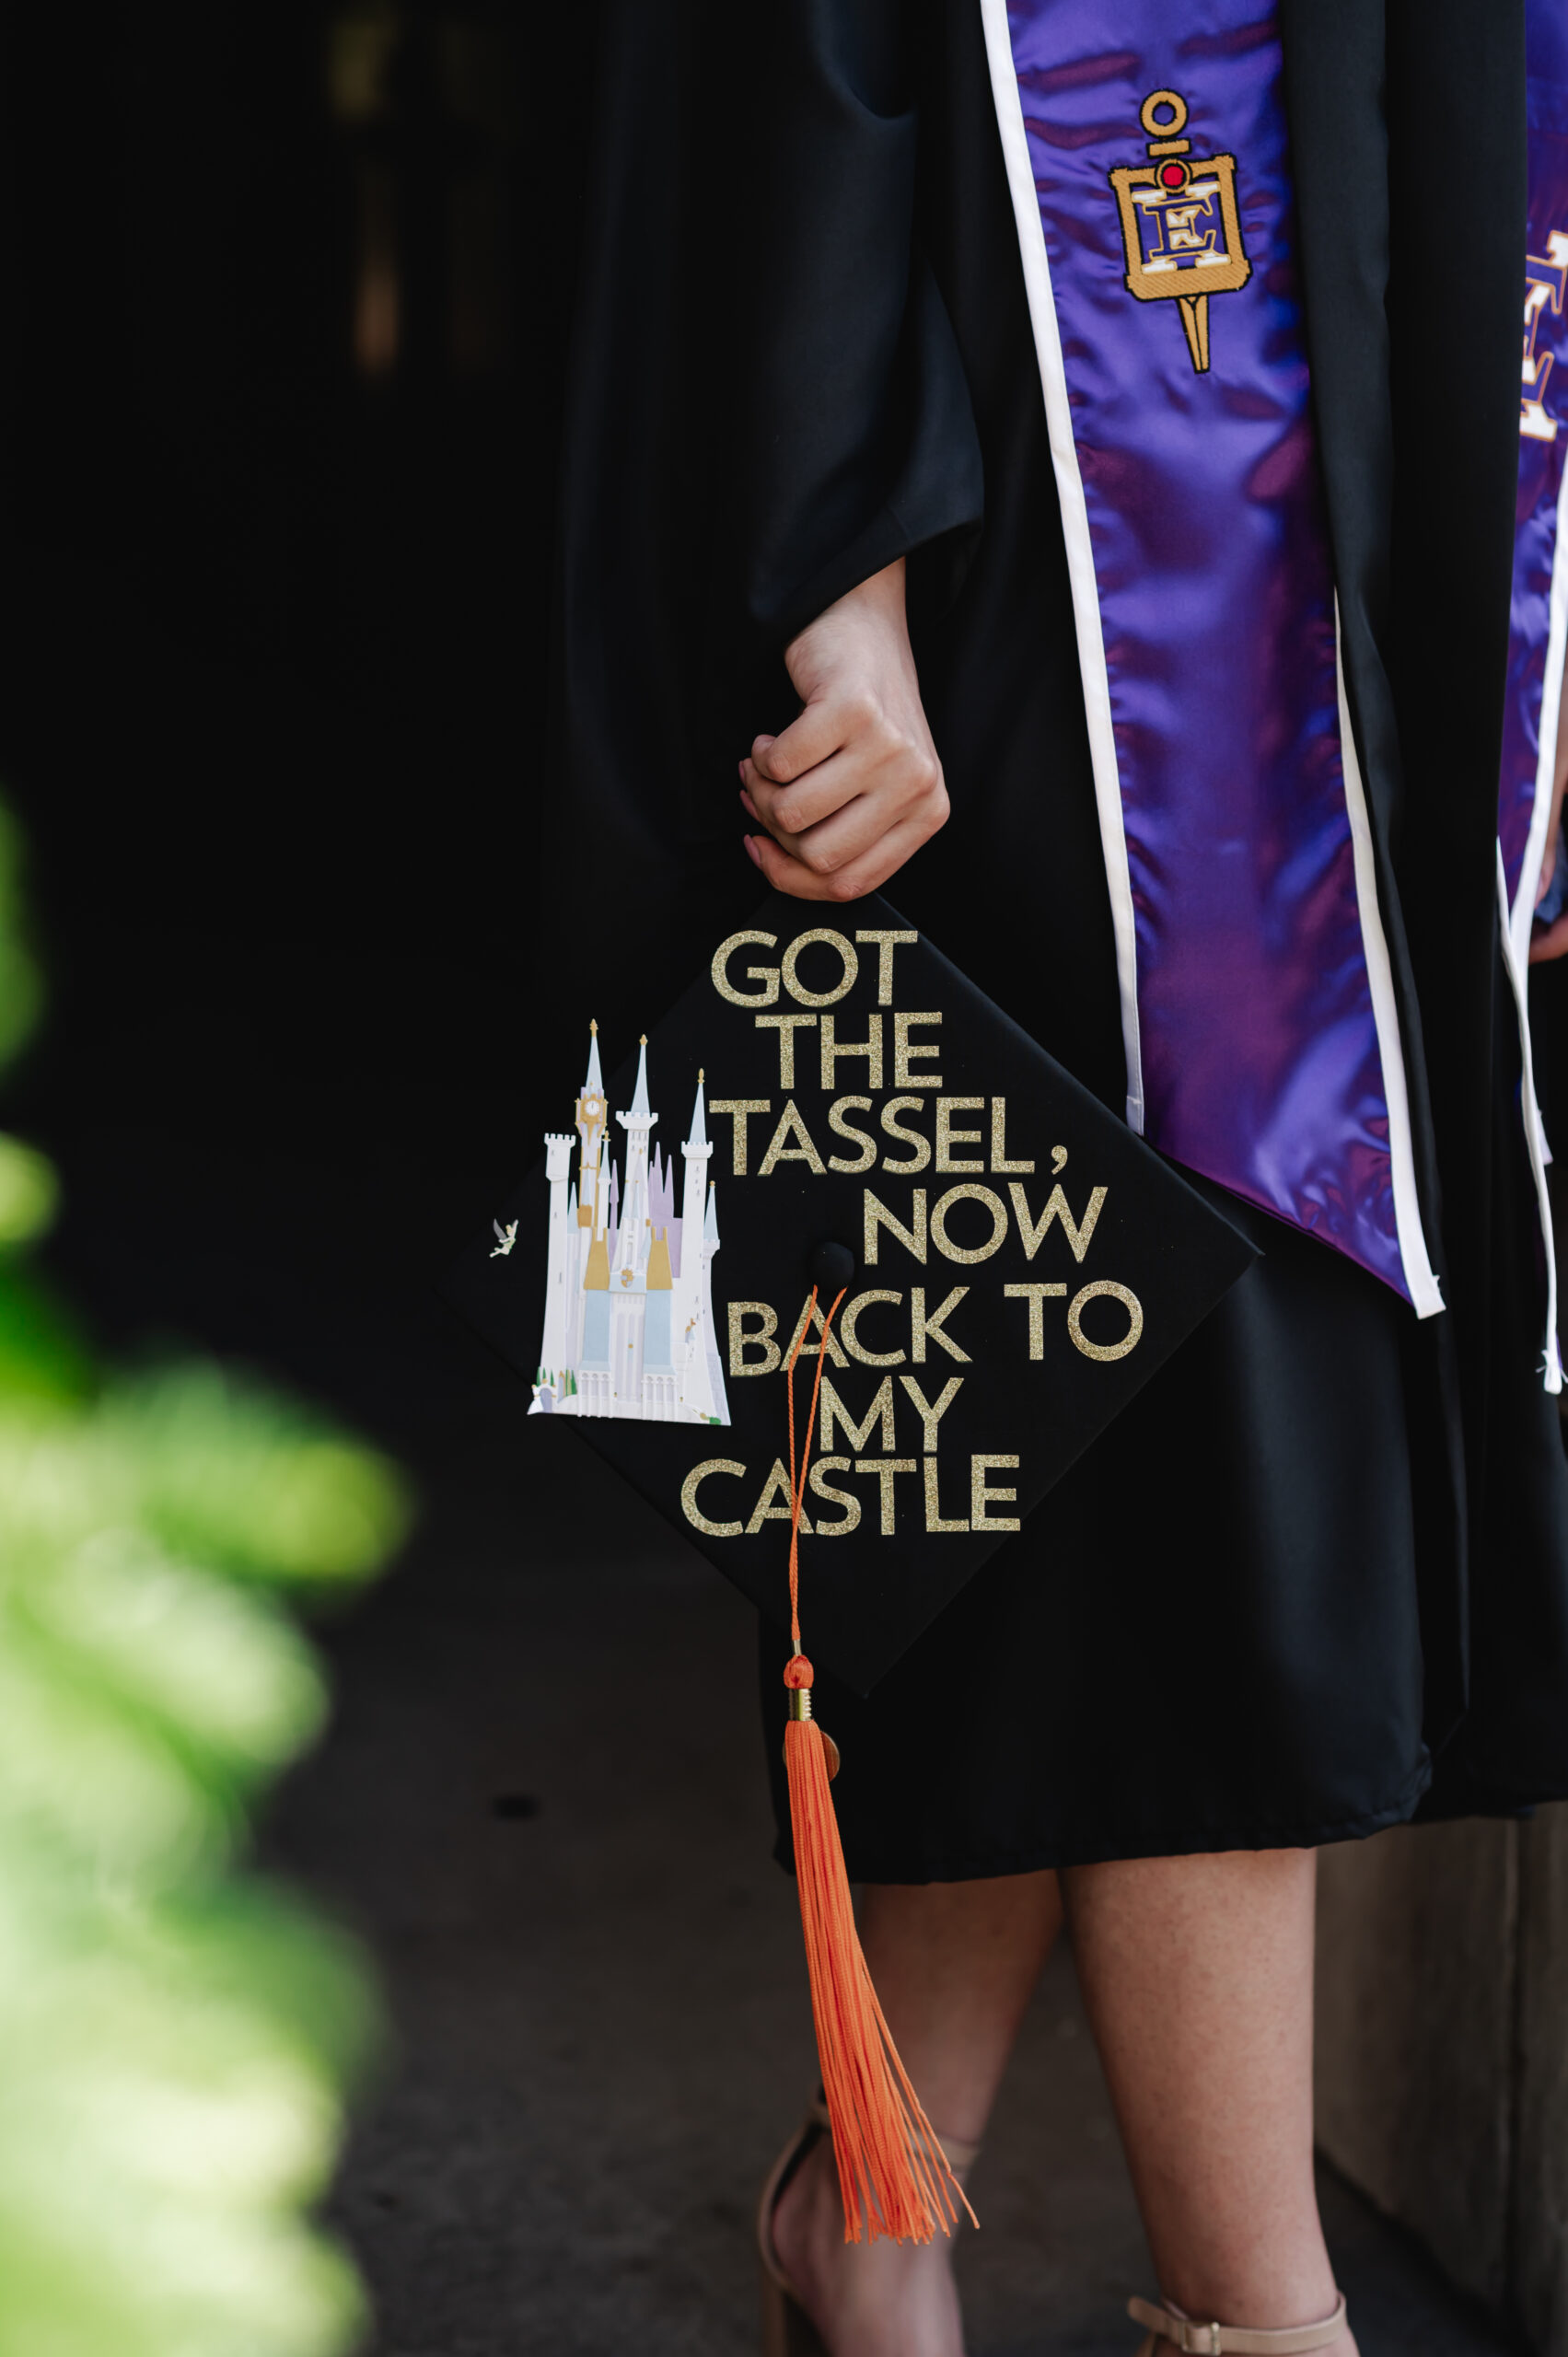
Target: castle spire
[
  {"x": 710, "y": 1219},
  {"x": 639, "y": 1102},
  {"x": 594, "y": 1085},
  {"x": 698, "y": 1134}
]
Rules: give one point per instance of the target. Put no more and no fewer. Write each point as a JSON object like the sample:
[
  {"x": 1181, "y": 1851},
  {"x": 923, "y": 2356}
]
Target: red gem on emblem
[{"x": 1173, "y": 175}]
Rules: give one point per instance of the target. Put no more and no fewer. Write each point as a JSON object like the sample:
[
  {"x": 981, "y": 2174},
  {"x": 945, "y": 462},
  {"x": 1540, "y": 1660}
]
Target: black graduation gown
[{"x": 1315, "y": 1580}]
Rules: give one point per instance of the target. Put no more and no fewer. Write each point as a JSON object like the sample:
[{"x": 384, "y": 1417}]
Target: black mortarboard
[{"x": 832, "y": 1103}]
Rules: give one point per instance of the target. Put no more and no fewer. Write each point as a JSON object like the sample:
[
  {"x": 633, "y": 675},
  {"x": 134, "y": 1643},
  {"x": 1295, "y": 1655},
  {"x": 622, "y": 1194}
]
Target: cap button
[{"x": 832, "y": 1268}]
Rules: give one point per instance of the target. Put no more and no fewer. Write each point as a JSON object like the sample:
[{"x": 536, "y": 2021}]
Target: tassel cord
[
  {"x": 893, "y": 2174},
  {"x": 797, "y": 1485}
]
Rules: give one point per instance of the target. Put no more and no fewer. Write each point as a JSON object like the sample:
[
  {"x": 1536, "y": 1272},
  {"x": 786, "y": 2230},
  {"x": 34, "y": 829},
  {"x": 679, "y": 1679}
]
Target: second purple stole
[
  {"x": 1537, "y": 621},
  {"x": 1146, "y": 151}
]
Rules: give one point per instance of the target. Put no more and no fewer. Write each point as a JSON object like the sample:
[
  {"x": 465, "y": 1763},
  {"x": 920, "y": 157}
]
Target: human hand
[{"x": 852, "y": 787}]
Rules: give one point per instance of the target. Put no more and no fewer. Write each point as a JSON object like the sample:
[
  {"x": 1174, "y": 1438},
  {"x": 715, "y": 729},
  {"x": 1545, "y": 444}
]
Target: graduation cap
[
  {"x": 836, "y": 1167},
  {"x": 836, "y": 1105}
]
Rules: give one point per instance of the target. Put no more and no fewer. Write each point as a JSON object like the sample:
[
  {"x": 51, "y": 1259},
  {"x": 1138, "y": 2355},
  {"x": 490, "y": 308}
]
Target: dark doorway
[{"x": 288, "y": 301}]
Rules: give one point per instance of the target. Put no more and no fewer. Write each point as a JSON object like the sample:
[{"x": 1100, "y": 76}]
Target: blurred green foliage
[{"x": 176, "y": 2036}]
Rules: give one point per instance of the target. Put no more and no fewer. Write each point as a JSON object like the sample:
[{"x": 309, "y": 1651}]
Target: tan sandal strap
[
  {"x": 1195, "y": 2340},
  {"x": 959, "y": 2154}
]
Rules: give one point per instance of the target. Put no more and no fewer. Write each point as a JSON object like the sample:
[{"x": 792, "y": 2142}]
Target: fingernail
[
  {"x": 750, "y": 806},
  {"x": 752, "y": 854},
  {"x": 740, "y": 771}
]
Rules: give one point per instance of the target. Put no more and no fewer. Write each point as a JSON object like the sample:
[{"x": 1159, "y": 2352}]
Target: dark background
[{"x": 287, "y": 298}]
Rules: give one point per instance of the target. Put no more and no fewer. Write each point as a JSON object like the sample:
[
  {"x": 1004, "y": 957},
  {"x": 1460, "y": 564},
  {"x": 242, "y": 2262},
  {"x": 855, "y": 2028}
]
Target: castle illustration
[{"x": 629, "y": 1309}]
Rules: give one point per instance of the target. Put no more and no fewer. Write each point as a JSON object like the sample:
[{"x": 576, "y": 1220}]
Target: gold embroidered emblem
[
  {"x": 1546, "y": 284},
  {"x": 1181, "y": 228}
]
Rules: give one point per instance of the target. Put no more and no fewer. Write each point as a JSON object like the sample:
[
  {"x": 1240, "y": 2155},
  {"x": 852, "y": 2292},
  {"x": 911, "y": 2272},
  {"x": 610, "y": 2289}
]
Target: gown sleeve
[
  {"x": 763, "y": 404},
  {"x": 859, "y": 443}
]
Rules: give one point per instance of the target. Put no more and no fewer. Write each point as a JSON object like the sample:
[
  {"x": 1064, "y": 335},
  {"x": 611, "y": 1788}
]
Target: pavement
[{"x": 543, "y": 1802}]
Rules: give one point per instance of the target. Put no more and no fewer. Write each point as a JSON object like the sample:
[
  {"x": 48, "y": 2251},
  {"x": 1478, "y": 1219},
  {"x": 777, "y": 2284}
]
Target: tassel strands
[{"x": 893, "y": 2174}]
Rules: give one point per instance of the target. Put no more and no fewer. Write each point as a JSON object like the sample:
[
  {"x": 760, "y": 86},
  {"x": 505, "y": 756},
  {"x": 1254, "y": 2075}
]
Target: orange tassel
[{"x": 893, "y": 2174}]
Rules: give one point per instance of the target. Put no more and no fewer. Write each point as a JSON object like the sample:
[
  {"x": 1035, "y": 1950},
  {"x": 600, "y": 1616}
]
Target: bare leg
[
  {"x": 1197, "y": 1973},
  {"x": 955, "y": 1965}
]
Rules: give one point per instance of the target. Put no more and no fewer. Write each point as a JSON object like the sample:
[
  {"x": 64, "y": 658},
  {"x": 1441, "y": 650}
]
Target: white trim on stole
[
  {"x": 1517, "y": 920},
  {"x": 1534, "y": 1135},
  {"x": 1413, "y": 1255},
  {"x": 1075, "y": 527},
  {"x": 1520, "y": 917},
  {"x": 1416, "y": 1260}
]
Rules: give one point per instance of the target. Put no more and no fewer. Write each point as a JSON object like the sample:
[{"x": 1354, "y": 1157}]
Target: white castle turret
[
  {"x": 716, "y": 1391},
  {"x": 693, "y": 1293},
  {"x": 629, "y": 1276},
  {"x": 589, "y": 1274},
  {"x": 633, "y": 1252},
  {"x": 556, "y": 1349},
  {"x": 629, "y": 1333}
]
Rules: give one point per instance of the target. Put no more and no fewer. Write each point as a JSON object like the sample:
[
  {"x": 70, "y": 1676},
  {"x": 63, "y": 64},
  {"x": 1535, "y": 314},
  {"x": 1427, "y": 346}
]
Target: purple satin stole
[
  {"x": 1146, "y": 148},
  {"x": 1537, "y": 625},
  {"x": 1540, "y": 612}
]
